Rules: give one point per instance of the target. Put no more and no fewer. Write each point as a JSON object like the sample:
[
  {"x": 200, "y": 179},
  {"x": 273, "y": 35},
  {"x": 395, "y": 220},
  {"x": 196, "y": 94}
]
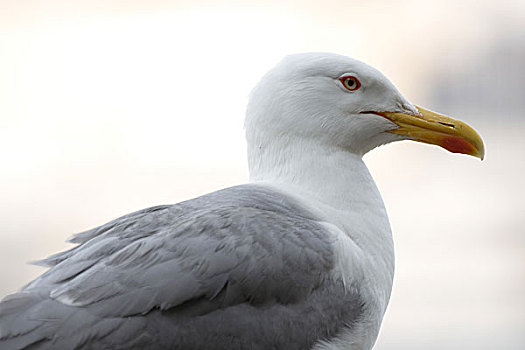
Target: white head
[
  {"x": 335, "y": 102},
  {"x": 305, "y": 96}
]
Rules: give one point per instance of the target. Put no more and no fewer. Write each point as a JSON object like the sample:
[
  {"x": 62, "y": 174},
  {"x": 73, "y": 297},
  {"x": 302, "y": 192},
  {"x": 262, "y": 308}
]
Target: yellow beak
[{"x": 430, "y": 127}]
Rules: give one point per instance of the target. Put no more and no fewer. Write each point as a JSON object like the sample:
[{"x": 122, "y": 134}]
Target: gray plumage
[{"x": 241, "y": 268}]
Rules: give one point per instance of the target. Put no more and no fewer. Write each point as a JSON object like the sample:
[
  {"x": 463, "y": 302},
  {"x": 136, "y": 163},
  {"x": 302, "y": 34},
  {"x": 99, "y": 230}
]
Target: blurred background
[{"x": 107, "y": 107}]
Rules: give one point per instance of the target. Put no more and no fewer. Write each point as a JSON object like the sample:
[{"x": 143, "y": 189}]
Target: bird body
[{"x": 300, "y": 258}]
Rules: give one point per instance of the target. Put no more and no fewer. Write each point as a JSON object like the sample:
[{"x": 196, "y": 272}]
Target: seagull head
[{"x": 342, "y": 103}]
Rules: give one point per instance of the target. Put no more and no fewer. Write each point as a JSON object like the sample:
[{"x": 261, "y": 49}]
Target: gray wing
[{"x": 241, "y": 268}]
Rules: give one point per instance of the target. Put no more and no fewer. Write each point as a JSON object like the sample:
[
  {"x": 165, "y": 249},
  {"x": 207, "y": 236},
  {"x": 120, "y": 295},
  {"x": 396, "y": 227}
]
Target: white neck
[{"x": 332, "y": 176}]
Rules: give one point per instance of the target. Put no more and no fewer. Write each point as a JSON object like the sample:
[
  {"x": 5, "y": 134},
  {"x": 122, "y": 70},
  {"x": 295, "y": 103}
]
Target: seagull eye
[{"x": 350, "y": 83}]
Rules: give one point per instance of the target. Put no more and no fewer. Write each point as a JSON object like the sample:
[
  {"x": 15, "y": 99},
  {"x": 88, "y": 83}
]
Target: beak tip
[
  {"x": 482, "y": 155},
  {"x": 480, "y": 147}
]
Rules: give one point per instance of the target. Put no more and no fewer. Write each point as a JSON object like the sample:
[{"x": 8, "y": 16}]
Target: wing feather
[{"x": 245, "y": 244}]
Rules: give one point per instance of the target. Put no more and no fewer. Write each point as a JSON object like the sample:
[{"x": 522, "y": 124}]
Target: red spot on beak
[{"x": 457, "y": 145}]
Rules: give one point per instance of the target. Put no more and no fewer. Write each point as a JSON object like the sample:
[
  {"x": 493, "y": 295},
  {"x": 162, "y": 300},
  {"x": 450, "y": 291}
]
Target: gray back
[{"x": 241, "y": 268}]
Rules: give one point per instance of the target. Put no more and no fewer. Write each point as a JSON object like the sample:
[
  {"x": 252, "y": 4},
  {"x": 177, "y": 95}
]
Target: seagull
[{"x": 301, "y": 257}]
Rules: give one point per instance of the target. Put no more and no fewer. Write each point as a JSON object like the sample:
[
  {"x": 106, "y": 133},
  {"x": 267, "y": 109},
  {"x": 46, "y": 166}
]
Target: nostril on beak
[{"x": 448, "y": 124}]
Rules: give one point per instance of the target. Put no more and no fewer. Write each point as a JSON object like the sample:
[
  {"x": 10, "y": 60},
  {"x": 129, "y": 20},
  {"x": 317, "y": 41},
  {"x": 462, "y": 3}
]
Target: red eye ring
[{"x": 350, "y": 82}]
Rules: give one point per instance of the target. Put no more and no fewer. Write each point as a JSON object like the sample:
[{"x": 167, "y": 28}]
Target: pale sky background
[{"x": 107, "y": 107}]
